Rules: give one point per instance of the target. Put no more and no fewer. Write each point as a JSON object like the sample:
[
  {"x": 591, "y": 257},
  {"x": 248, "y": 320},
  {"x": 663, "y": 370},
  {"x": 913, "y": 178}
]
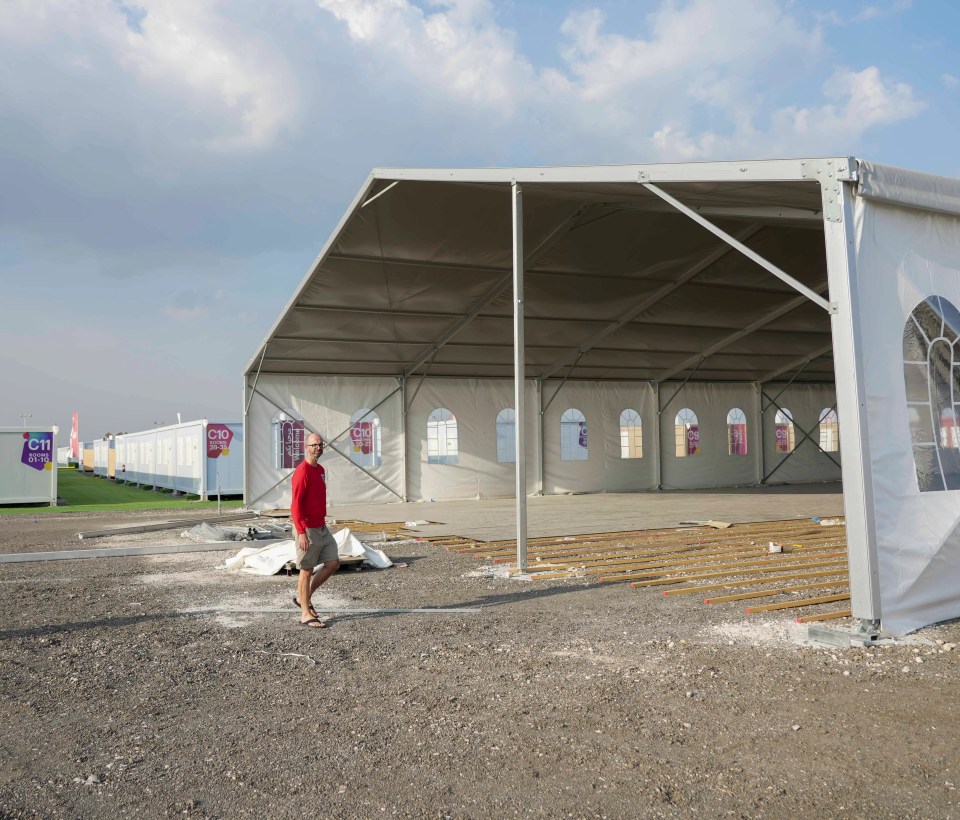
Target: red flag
[{"x": 75, "y": 438}]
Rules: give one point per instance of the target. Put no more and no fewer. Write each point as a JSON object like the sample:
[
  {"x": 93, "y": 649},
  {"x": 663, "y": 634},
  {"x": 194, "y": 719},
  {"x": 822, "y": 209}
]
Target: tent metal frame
[{"x": 835, "y": 177}]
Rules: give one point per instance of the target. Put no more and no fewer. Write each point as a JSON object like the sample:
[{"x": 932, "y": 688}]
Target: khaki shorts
[{"x": 323, "y": 548}]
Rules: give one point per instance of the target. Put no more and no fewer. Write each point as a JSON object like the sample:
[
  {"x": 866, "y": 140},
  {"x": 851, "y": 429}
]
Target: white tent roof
[{"x": 616, "y": 278}]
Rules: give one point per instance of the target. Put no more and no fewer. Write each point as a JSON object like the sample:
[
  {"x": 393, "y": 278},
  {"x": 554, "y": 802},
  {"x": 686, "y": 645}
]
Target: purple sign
[
  {"x": 582, "y": 438},
  {"x": 38, "y": 451}
]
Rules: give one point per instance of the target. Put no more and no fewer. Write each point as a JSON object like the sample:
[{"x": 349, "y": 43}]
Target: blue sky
[{"x": 170, "y": 168}]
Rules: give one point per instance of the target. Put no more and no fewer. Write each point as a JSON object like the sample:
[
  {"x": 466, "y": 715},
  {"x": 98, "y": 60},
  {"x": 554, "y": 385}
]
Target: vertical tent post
[
  {"x": 403, "y": 434},
  {"x": 518, "y": 378},
  {"x": 657, "y": 453},
  {"x": 759, "y": 445},
  {"x": 539, "y": 387},
  {"x": 851, "y": 407}
]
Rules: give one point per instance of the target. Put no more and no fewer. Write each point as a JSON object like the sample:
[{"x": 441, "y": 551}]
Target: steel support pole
[
  {"x": 858, "y": 501},
  {"x": 520, "y": 439},
  {"x": 657, "y": 454},
  {"x": 538, "y": 384},
  {"x": 403, "y": 434},
  {"x": 758, "y": 415}
]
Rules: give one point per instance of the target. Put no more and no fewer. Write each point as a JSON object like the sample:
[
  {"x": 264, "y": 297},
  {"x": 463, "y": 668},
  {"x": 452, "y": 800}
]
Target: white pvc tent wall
[
  {"x": 803, "y": 284},
  {"x": 175, "y": 457},
  {"x": 28, "y": 469}
]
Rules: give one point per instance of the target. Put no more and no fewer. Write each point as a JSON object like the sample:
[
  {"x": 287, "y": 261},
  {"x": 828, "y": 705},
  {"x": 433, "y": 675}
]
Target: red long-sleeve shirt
[{"x": 309, "y": 505}]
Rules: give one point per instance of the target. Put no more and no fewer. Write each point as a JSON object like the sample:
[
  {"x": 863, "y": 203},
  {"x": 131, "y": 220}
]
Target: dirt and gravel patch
[{"x": 557, "y": 699}]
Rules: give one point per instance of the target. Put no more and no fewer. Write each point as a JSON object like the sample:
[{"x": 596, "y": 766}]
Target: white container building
[
  {"x": 29, "y": 472},
  {"x": 103, "y": 457},
  {"x": 200, "y": 457}
]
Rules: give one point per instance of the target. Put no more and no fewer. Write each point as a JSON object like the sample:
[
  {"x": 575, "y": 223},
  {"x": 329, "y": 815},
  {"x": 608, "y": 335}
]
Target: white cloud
[
  {"x": 701, "y": 79},
  {"x": 228, "y": 82},
  {"x": 950, "y": 82},
  {"x": 860, "y": 100},
  {"x": 458, "y": 49}
]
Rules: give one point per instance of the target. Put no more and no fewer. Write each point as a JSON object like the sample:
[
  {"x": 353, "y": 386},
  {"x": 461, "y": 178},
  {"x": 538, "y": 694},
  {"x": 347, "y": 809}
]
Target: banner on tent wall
[
  {"x": 292, "y": 438},
  {"x": 75, "y": 437},
  {"x": 693, "y": 440},
  {"x": 219, "y": 437},
  {"x": 783, "y": 438},
  {"x": 362, "y": 435},
  {"x": 37, "y": 451},
  {"x": 582, "y": 436},
  {"x": 738, "y": 439}
]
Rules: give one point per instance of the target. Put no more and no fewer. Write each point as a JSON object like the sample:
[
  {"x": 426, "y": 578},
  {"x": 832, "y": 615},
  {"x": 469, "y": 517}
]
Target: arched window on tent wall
[
  {"x": 686, "y": 433},
  {"x": 631, "y": 434},
  {"x": 573, "y": 436},
  {"x": 288, "y": 440},
  {"x": 736, "y": 432},
  {"x": 365, "y": 443},
  {"x": 829, "y": 430},
  {"x": 931, "y": 374},
  {"x": 784, "y": 436},
  {"x": 442, "y": 446},
  {"x": 506, "y": 436}
]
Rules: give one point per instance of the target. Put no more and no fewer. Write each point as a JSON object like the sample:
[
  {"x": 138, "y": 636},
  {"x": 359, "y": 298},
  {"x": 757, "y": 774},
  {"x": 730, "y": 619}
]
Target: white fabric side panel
[
  {"x": 326, "y": 404},
  {"x": 601, "y": 404},
  {"x": 712, "y": 466},
  {"x": 897, "y": 186},
  {"x": 904, "y": 257},
  {"x": 807, "y": 463},
  {"x": 477, "y": 474}
]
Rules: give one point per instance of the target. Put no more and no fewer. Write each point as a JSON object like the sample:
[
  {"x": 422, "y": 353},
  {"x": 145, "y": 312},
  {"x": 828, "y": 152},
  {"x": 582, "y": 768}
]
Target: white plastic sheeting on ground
[{"x": 272, "y": 559}]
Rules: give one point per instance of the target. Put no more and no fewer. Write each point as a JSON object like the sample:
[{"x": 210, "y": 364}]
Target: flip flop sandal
[
  {"x": 319, "y": 624},
  {"x": 313, "y": 611}
]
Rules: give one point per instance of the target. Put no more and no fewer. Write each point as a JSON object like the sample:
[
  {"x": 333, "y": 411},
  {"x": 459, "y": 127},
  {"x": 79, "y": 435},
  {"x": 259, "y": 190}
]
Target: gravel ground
[{"x": 128, "y": 693}]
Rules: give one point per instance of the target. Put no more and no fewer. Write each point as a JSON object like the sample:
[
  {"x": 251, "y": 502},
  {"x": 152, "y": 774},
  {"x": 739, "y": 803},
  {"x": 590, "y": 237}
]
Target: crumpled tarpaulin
[{"x": 272, "y": 559}]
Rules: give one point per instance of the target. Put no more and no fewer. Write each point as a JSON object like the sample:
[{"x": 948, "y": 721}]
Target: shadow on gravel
[
  {"x": 484, "y": 601},
  {"x": 75, "y": 626}
]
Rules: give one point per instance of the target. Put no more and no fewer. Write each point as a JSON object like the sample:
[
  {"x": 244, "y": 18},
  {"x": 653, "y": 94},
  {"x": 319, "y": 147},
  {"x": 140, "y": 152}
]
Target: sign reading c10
[{"x": 219, "y": 437}]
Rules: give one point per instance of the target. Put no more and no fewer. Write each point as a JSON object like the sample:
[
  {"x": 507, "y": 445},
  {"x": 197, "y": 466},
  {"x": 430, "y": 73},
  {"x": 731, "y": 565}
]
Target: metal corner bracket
[{"x": 831, "y": 174}]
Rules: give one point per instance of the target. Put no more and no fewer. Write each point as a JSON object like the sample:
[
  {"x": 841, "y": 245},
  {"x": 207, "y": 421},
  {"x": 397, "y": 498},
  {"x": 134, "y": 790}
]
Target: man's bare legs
[
  {"x": 307, "y": 586},
  {"x": 321, "y": 576},
  {"x": 304, "y": 594}
]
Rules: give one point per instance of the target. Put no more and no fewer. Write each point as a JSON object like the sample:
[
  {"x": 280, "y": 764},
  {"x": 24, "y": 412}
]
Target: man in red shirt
[{"x": 315, "y": 544}]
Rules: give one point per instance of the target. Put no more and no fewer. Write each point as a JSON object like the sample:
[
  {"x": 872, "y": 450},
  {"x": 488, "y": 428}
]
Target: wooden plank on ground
[
  {"x": 763, "y": 593},
  {"x": 823, "y": 599},
  {"x": 825, "y": 616}
]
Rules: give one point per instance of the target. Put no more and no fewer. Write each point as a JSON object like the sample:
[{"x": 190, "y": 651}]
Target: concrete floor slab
[{"x": 494, "y": 519}]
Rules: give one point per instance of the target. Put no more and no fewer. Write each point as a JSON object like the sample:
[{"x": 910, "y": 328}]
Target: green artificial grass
[{"x": 86, "y": 493}]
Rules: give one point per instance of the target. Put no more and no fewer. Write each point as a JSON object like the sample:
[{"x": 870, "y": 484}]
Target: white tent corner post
[
  {"x": 519, "y": 382},
  {"x": 851, "y": 409}
]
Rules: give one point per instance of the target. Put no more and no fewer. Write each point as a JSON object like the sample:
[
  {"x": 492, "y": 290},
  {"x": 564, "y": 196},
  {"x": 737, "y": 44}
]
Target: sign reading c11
[
  {"x": 219, "y": 437},
  {"x": 37, "y": 451}
]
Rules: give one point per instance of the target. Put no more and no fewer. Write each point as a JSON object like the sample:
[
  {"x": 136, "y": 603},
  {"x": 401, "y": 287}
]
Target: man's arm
[{"x": 299, "y": 488}]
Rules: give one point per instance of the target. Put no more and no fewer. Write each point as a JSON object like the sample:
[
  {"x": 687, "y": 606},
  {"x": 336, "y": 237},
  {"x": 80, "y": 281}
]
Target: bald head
[{"x": 314, "y": 447}]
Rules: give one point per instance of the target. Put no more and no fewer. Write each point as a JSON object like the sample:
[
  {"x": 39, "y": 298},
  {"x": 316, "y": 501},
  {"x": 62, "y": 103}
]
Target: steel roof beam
[
  {"x": 802, "y": 362},
  {"x": 645, "y": 303},
  {"x": 796, "y": 284},
  {"x": 555, "y": 236},
  {"x": 772, "y": 316}
]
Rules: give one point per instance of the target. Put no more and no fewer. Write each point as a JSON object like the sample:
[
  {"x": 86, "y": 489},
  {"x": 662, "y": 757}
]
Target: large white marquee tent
[{"x": 468, "y": 332}]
